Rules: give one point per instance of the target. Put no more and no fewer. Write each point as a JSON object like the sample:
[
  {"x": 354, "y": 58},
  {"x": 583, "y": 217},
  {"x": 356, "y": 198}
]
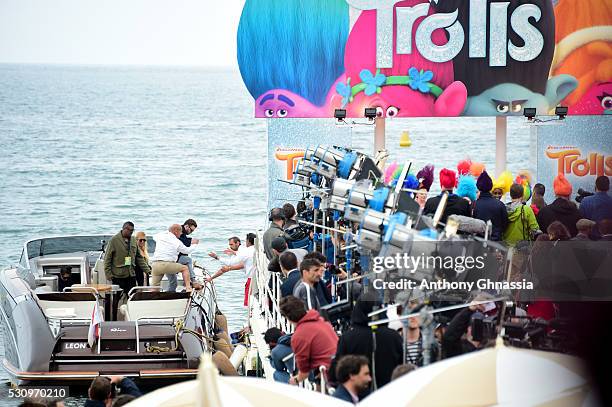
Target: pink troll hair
[{"x": 360, "y": 51}]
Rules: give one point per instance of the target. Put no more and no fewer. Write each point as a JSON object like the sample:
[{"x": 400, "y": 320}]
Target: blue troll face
[{"x": 509, "y": 99}]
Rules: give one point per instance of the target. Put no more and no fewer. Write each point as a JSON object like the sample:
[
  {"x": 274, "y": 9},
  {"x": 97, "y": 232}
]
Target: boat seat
[
  {"x": 68, "y": 305},
  {"x": 165, "y": 305}
]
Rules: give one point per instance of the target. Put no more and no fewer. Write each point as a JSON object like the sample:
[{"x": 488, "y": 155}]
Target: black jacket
[
  {"x": 455, "y": 205},
  {"x": 185, "y": 239},
  {"x": 452, "y": 342},
  {"x": 560, "y": 210},
  {"x": 358, "y": 341},
  {"x": 488, "y": 208},
  {"x": 289, "y": 284},
  {"x": 323, "y": 293}
]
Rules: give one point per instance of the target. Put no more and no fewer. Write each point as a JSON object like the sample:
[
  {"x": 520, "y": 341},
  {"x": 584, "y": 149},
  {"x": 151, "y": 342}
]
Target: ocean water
[{"x": 85, "y": 148}]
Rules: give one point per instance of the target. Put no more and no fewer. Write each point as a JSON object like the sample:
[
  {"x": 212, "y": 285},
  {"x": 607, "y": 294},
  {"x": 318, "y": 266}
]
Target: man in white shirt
[
  {"x": 241, "y": 258},
  {"x": 167, "y": 248}
]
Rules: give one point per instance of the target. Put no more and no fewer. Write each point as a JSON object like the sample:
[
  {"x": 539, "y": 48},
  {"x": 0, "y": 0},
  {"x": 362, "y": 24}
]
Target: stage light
[
  {"x": 561, "y": 111},
  {"x": 340, "y": 114},
  {"x": 529, "y": 112},
  {"x": 370, "y": 113}
]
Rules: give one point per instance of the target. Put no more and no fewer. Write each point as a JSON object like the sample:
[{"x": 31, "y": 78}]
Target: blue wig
[
  {"x": 294, "y": 45},
  {"x": 411, "y": 182},
  {"x": 467, "y": 187}
]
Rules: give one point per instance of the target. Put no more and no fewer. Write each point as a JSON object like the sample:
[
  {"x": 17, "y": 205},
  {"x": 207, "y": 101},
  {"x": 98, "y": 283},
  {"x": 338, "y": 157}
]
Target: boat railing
[
  {"x": 267, "y": 290},
  {"x": 145, "y": 288}
]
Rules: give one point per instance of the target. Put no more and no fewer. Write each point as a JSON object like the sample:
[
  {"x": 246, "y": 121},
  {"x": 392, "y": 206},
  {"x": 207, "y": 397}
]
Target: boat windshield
[{"x": 65, "y": 244}]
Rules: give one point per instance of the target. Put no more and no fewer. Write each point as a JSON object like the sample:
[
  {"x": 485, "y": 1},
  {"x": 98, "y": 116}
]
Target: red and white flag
[{"x": 94, "y": 326}]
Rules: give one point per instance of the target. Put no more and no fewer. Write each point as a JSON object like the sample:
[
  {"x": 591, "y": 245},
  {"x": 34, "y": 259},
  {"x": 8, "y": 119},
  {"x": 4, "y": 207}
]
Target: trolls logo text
[
  {"x": 499, "y": 44},
  {"x": 292, "y": 156},
  {"x": 569, "y": 161}
]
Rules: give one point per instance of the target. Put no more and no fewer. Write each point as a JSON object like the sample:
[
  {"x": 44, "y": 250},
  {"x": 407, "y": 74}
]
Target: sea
[{"x": 85, "y": 148}]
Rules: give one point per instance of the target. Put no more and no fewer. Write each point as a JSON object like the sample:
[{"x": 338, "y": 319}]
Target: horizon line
[{"x": 84, "y": 64}]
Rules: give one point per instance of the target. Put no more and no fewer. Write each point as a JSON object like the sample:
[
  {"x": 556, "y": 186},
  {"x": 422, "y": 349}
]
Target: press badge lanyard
[{"x": 128, "y": 259}]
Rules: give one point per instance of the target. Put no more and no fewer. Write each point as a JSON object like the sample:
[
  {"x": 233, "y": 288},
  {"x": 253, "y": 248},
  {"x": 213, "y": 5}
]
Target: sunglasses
[{"x": 142, "y": 240}]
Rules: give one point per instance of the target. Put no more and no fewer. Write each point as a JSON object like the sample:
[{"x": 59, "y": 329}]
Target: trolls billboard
[{"x": 410, "y": 58}]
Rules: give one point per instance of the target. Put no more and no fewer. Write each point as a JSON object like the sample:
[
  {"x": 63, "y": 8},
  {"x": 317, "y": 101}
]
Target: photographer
[
  {"x": 384, "y": 345},
  {"x": 458, "y": 338},
  {"x": 103, "y": 390}
]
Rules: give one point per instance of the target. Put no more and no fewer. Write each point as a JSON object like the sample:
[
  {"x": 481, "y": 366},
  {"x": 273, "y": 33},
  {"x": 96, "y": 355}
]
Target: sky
[{"x": 120, "y": 32}]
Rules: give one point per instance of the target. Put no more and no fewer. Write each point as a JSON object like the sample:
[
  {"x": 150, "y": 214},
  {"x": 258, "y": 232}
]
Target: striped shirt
[{"x": 414, "y": 352}]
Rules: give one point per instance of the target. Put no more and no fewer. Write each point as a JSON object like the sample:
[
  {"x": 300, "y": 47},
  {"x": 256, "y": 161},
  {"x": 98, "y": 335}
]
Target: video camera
[
  {"x": 583, "y": 194},
  {"x": 537, "y": 333}
]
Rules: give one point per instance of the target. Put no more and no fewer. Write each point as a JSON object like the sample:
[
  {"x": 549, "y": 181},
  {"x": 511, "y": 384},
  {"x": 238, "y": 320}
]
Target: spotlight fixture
[
  {"x": 529, "y": 112},
  {"x": 370, "y": 113},
  {"x": 561, "y": 111},
  {"x": 340, "y": 114}
]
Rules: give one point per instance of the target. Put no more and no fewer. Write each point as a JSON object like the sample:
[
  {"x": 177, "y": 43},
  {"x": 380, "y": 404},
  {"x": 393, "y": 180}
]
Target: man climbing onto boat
[
  {"x": 167, "y": 248},
  {"x": 189, "y": 226},
  {"x": 121, "y": 256}
]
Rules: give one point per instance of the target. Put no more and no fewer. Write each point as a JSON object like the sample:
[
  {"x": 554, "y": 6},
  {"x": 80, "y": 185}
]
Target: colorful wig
[
  {"x": 393, "y": 172},
  {"x": 390, "y": 171},
  {"x": 294, "y": 45},
  {"x": 476, "y": 169},
  {"x": 426, "y": 176},
  {"x": 467, "y": 187},
  {"x": 463, "y": 167},
  {"x": 503, "y": 182},
  {"x": 524, "y": 178}
]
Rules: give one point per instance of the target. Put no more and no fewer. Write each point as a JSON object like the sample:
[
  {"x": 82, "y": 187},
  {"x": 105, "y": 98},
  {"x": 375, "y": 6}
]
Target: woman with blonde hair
[{"x": 141, "y": 240}]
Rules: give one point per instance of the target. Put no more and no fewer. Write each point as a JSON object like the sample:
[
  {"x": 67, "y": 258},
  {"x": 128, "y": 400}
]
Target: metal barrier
[{"x": 265, "y": 289}]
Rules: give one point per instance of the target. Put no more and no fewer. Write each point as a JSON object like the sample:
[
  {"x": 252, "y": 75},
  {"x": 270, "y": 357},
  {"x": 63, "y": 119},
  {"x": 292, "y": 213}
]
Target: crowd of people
[
  {"x": 526, "y": 214},
  {"x": 361, "y": 360}
]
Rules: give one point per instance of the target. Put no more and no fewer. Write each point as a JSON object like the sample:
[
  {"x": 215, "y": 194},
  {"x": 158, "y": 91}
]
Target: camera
[
  {"x": 483, "y": 328},
  {"x": 582, "y": 194}
]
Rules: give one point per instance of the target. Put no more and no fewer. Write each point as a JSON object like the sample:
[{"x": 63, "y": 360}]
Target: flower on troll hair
[
  {"x": 373, "y": 82},
  {"x": 344, "y": 90},
  {"x": 419, "y": 80}
]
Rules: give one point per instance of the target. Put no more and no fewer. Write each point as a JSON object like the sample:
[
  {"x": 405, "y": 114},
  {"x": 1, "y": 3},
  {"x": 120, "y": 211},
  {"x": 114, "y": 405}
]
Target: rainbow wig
[
  {"x": 467, "y": 187},
  {"x": 294, "y": 45},
  {"x": 503, "y": 182},
  {"x": 426, "y": 176},
  {"x": 390, "y": 171},
  {"x": 524, "y": 178}
]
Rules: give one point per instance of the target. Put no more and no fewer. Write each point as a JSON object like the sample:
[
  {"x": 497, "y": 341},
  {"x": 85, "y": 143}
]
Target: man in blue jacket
[
  {"x": 281, "y": 354},
  {"x": 488, "y": 208},
  {"x": 353, "y": 374},
  {"x": 598, "y": 206},
  {"x": 288, "y": 263}
]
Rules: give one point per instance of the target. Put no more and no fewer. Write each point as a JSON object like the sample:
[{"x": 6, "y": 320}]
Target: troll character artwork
[
  {"x": 584, "y": 50},
  {"x": 290, "y": 55},
  {"x": 413, "y": 86},
  {"x": 507, "y": 90}
]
